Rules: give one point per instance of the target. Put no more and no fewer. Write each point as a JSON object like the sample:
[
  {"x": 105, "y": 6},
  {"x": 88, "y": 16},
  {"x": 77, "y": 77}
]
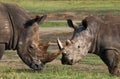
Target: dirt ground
[
  {"x": 51, "y": 34},
  {"x": 77, "y": 14},
  {"x": 62, "y": 15}
]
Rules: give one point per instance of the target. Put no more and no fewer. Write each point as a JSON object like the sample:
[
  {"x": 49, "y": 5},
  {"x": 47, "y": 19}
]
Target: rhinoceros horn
[
  {"x": 68, "y": 42},
  {"x": 48, "y": 57},
  {"x": 59, "y": 44},
  {"x": 45, "y": 56}
]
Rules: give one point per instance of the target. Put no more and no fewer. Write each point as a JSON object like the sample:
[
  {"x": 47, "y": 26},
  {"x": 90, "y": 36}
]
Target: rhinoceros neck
[
  {"x": 17, "y": 17},
  {"x": 95, "y": 26}
]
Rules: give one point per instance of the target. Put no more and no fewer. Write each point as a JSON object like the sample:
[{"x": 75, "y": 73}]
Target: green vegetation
[
  {"x": 54, "y": 72},
  {"x": 54, "y": 24},
  {"x": 90, "y": 67},
  {"x": 43, "y": 6},
  {"x": 94, "y": 60}
]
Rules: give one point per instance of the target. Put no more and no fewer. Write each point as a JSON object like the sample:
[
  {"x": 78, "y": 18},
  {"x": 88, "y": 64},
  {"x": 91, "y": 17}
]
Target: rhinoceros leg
[
  {"x": 111, "y": 59},
  {"x": 2, "y": 49}
]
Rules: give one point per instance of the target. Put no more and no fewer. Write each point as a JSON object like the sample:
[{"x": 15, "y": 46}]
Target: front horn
[{"x": 59, "y": 44}]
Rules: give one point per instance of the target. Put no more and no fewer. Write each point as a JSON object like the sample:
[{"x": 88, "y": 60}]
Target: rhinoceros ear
[
  {"x": 84, "y": 23},
  {"x": 39, "y": 19},
  {"x": 70, "y": 24}
]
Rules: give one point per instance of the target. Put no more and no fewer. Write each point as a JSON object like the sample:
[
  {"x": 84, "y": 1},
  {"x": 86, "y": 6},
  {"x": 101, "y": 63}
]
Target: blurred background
[{"x": 75, "y": 9}]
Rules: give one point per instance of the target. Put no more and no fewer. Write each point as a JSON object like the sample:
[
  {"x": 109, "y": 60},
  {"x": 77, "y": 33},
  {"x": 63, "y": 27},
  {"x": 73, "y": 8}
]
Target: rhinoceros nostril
[
  {"x": 36, "y": 65},
  {"x": 71, "y": 60}
]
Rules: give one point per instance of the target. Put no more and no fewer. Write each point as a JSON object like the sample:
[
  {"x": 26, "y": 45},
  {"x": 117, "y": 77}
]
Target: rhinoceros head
[
  {"x": 31, "y": 51},
  {"x": 78, "y": 46},
  {"x": 28, "y": 44}
]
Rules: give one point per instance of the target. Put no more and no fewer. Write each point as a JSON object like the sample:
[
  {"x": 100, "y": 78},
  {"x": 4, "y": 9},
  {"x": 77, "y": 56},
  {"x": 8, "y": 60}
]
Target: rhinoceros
[
  {"x": 97, "y": 35},
  {"x": 18, "y": 31}
]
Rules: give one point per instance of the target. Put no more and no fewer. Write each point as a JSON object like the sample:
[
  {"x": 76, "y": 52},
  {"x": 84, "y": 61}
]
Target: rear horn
[{"x": 68, "y": 42}]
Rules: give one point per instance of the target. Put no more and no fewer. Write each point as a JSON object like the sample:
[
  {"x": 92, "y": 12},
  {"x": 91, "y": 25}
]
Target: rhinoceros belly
[{"x": 5, "y": 27}]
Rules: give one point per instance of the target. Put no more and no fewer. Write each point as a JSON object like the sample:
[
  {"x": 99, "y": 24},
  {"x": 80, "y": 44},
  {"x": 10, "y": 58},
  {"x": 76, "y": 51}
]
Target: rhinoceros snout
[
  {"x": 37, "y": 66},
  {"x": 65, "y": 60}
]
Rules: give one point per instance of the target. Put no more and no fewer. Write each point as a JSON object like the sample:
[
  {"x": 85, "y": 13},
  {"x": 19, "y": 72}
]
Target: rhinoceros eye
[{"x": 78, "y": 46}]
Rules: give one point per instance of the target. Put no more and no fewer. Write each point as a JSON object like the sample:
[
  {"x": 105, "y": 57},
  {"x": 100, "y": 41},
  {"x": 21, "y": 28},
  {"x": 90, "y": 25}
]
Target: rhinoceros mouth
[
  {"x": 65, "y": 60},
  {"x": 36, "y": 63},
  {"x": 36, "y": 66},
  {"x": 30, "y": 59}
]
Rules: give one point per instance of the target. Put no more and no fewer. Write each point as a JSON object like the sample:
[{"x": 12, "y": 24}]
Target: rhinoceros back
[
  {"x": 12, "y": 20},
  {"x": 5, "y": 25}
]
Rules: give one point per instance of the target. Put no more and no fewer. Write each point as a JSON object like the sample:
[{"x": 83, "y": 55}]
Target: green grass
[
  {"x": 93, "y": 60},
  {"x": 38, "y": 6},
  {"x": 57, "y": 71},
  {"x": 54, "y": 71},
  {"x": 54, "y": 24}
]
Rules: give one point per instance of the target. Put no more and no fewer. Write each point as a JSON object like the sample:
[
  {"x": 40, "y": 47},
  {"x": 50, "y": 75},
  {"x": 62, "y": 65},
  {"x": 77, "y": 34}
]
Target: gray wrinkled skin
[
  {"x": 98, "y": 35},
  {"x": 79, "y": 47},
  {"x": 18, "y": 31}
]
